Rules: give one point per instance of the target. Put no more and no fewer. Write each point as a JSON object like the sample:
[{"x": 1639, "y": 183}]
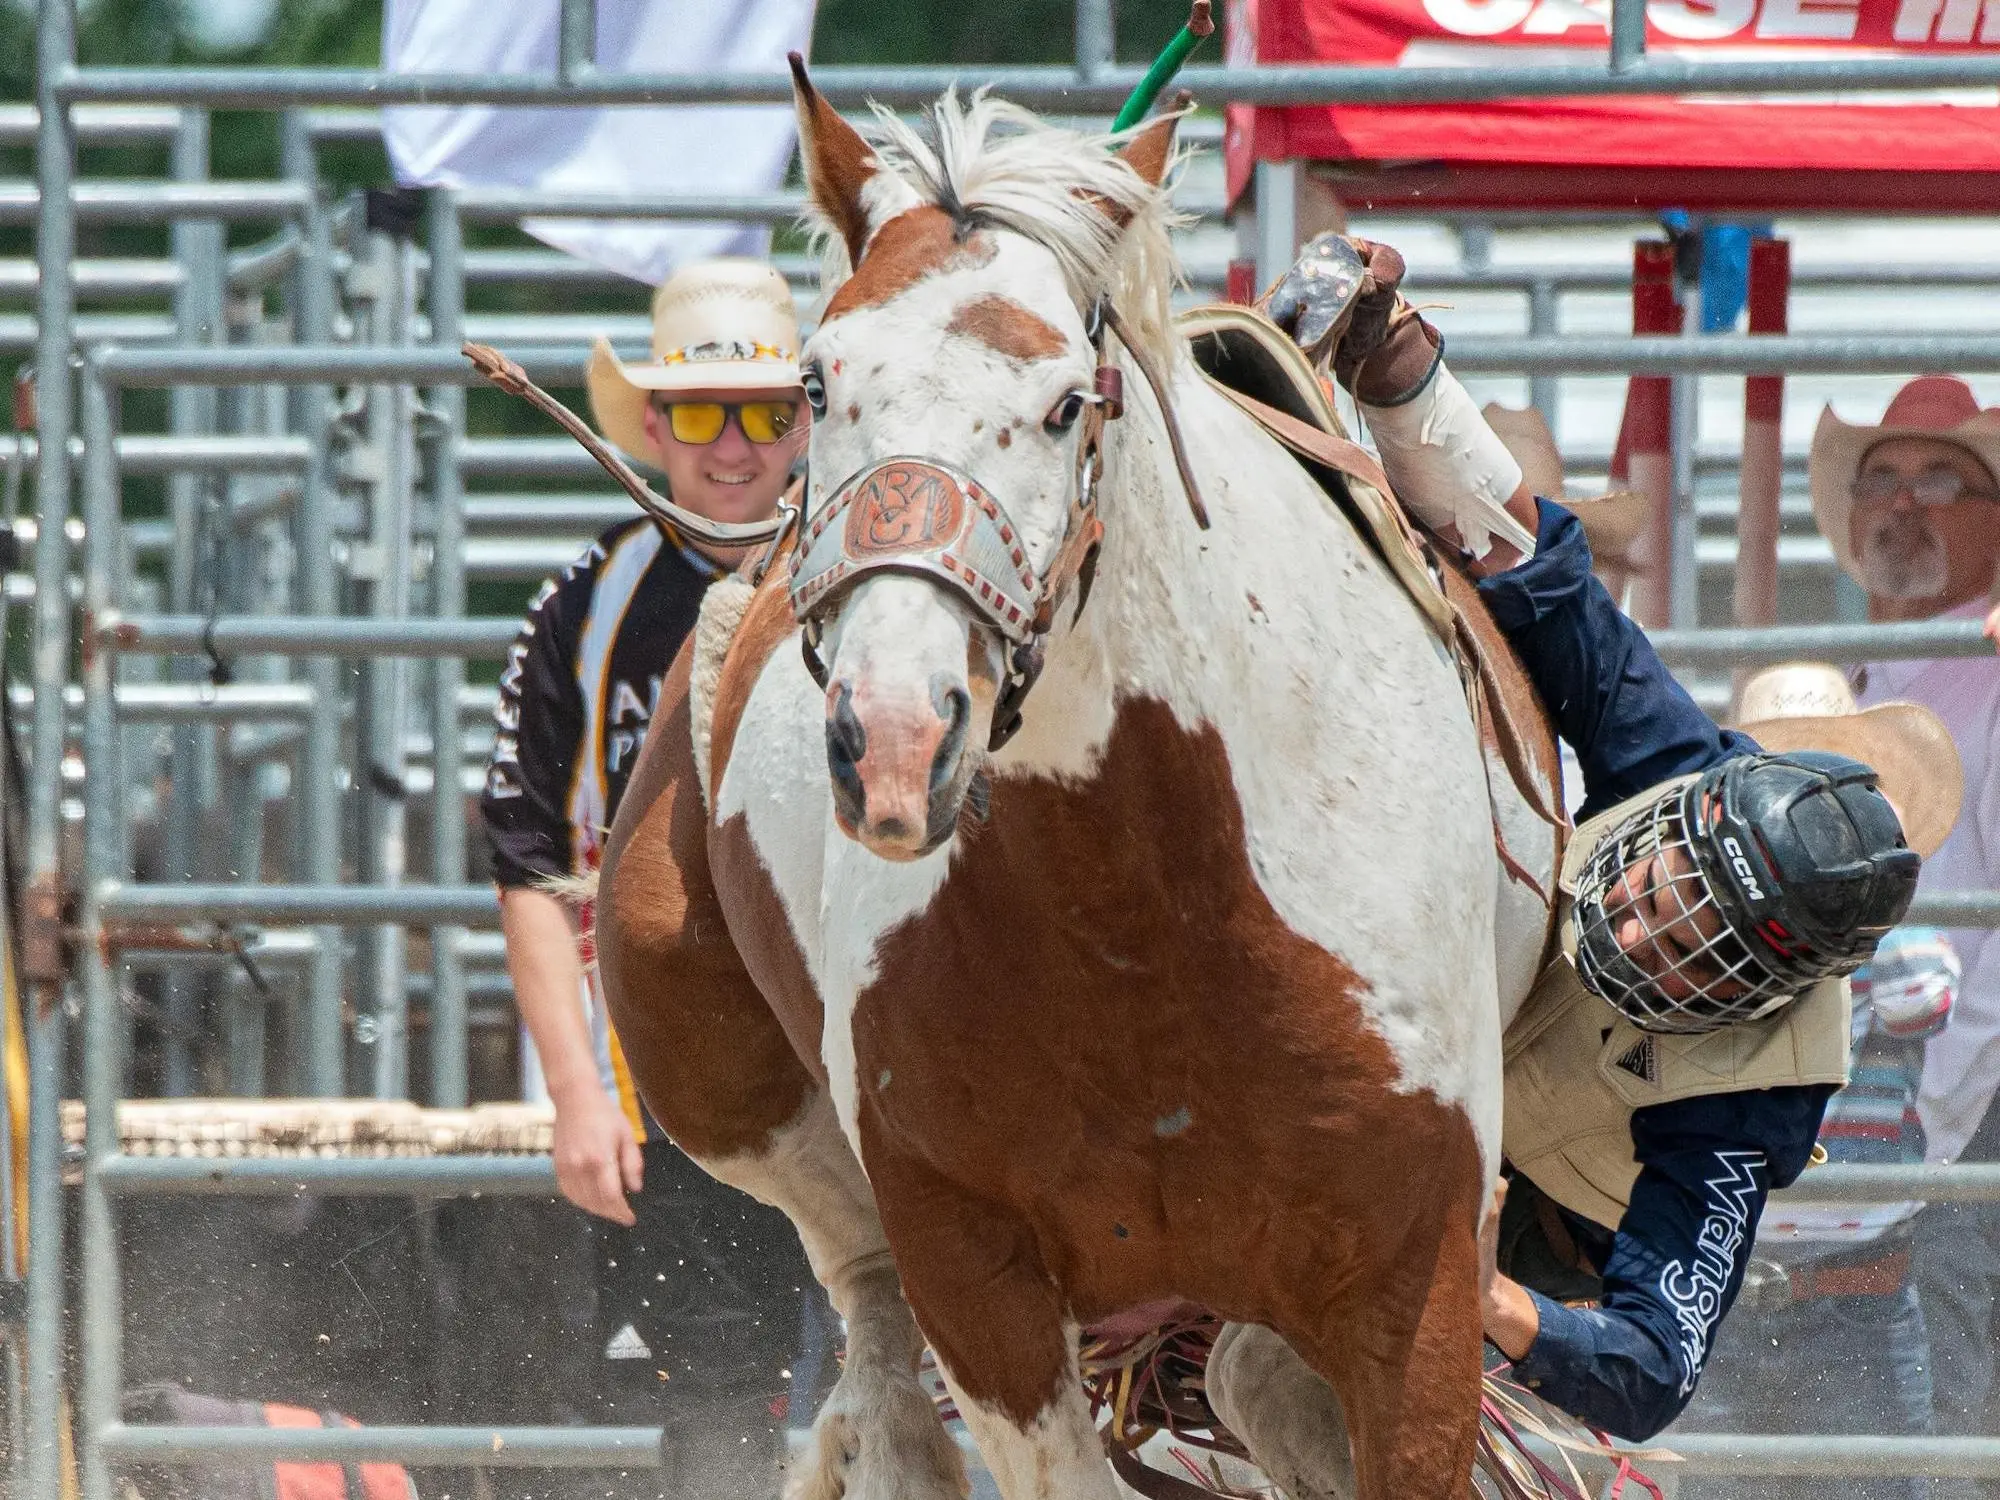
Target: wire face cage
[{"x": 1651, "y": 937}]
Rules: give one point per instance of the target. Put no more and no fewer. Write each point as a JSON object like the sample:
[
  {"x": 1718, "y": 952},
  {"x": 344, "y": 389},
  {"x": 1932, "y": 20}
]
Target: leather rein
[
  {"x": 680, "y": 522},
  {"x": 919, "y": 516}
]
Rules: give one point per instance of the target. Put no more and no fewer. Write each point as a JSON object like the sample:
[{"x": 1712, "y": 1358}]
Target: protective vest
[{"x": 1576, "y": 1069}]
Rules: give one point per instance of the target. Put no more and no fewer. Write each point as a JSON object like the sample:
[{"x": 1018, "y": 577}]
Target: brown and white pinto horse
[{"x": 1195, "y": 987}]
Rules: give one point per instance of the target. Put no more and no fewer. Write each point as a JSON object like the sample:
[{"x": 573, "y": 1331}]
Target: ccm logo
[{"x": 1742, "y": 867}]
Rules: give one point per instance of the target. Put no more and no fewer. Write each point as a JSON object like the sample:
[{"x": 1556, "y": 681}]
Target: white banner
[{"x": 630, "y": 151}]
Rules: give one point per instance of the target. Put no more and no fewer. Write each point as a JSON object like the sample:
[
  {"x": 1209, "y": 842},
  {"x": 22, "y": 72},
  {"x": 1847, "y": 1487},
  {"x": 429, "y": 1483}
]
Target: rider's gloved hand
[{"x": 1343, "y": 296}]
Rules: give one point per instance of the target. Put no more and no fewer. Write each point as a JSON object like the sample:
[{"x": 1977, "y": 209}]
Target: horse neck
[{"x": 1169, "y": 597}]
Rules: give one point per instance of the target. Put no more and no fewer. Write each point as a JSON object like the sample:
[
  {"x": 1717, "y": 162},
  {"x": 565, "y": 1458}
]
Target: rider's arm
[
  {"x": 1706, "y": 1164},
  {"x": 1631, "y": 724}
]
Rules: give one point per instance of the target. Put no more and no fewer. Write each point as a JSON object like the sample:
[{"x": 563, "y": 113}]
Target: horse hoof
[
  {"x": 834, "y": 1449},
  {"x": 891, "y": 1448}
]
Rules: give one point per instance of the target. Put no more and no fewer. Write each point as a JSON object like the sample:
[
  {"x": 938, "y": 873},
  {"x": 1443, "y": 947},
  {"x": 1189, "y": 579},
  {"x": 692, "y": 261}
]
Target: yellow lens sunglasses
[{"x": 701, "y": 422}]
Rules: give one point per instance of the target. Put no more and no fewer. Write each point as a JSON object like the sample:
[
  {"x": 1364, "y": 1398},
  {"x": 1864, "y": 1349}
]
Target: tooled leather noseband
[{"x": 923, "y": 517}]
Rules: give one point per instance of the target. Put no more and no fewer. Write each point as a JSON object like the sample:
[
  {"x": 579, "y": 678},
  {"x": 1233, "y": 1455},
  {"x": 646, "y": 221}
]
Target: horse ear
[
  {"x": 838, "y": 163},
  {"x": 1150, "y": 152}
]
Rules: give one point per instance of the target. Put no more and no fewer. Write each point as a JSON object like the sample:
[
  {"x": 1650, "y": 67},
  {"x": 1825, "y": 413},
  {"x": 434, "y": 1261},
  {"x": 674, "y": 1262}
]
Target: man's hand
[
  {"x": 597, "y": 1159},
  {"x": 1315, "y": 299},
  {"x": 1508, "y": 1313},
  {"x": 1992, "y": 627}
]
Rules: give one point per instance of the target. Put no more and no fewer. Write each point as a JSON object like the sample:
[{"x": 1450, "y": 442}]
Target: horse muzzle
[{"x": 900, "y": 762}]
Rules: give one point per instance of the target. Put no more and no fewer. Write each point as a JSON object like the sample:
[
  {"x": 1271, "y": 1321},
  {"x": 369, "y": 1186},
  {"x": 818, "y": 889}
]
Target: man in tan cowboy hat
[
  {"x": 1911, "y": 506},
  {"x": 719, "y": 411}
]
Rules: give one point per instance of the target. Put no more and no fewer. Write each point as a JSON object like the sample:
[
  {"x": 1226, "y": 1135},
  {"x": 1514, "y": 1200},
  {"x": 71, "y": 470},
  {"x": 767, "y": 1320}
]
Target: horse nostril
[
  {"x": 954, "y": 705},
  {"x": 846, "y": 744},
  {"x": 846, "y": 737}
]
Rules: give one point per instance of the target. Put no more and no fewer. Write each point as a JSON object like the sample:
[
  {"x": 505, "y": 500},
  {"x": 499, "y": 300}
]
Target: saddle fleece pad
[{"x": 722, "y": 610}]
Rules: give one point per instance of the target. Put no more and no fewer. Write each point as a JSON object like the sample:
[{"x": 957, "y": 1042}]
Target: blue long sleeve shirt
[
  {"x": 1675, "y": 1263},
  {"x": 1630, "y": 723},
  {"x": 1673, "y": 1267}
]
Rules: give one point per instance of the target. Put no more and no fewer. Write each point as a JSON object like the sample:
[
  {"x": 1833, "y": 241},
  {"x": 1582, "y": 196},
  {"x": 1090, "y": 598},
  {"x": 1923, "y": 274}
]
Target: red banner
[{"x": 1913, "y": 152}]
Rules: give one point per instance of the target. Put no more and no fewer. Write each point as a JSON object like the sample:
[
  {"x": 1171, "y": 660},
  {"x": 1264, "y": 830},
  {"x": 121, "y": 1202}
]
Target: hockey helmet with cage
[{"x": 1725, "y": 897}]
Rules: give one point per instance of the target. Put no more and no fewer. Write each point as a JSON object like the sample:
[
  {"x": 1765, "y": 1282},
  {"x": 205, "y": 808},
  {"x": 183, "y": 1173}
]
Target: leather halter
[{"x": 926, "y": 518}]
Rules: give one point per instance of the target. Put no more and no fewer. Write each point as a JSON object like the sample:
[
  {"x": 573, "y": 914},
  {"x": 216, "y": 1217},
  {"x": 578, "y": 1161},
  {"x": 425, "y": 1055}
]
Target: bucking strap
[{"x": 1151, "y": 1482}]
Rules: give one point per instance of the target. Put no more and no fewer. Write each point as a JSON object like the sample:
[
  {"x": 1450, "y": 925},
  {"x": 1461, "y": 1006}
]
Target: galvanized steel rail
[
  {"x": 457, "y": 1447},
  {"x": 1045, "y": 88}
]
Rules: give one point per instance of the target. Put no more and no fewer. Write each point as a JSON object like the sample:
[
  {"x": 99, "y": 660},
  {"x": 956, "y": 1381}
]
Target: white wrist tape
[{"x": 1449, "y": 468}]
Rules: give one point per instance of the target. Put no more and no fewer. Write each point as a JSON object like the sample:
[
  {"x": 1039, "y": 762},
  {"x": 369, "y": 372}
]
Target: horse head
[{"x": 960, "y": 382}]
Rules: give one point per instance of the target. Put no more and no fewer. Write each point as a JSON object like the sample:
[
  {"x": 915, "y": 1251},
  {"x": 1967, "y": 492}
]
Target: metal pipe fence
[
  {"x": 319, "y": 546},
  {"x": 55, "y": 248},
  {"x": 462, "y": 1447},
  {"x": 1046, "y": 88}
]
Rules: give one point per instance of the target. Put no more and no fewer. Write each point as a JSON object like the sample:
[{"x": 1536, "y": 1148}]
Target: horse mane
[{"x": 992, "y": 164}]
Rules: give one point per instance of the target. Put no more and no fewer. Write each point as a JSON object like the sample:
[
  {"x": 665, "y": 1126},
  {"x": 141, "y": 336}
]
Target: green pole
[{"x": 1168, "y": 63}]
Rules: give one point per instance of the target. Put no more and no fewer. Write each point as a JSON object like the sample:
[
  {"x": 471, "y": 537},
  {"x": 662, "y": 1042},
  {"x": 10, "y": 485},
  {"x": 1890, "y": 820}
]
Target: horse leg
[
  {"x": 878, "y": 1437},
  {"x": 721, "y": 1076},
  {"x": 1004, "y": 1341},
  {"x": 1280, "y": 1409},
  {"x": 1403, "y": 1355}
]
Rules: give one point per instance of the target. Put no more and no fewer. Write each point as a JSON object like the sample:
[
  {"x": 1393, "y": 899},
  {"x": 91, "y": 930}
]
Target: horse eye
[
  {"x": 1063, "y": 415},
  {"x": 815, "y": 384}
]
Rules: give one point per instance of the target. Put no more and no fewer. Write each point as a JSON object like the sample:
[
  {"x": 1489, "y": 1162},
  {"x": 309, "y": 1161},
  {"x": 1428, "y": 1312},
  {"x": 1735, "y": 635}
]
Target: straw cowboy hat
[
  {"x": 1809, "y": 706},
  {"x": 1931, "y": 406},
  {"x": 1612, "y": 522},
  {"x": 718, "y": 325}
]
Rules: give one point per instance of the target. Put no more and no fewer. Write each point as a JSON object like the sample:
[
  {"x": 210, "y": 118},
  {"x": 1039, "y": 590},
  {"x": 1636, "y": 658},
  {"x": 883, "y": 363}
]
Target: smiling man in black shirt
[{"x": 698, "y": 1290}]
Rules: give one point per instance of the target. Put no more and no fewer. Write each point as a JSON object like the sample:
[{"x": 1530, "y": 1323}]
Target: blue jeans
[{"x": 1846, "y": 1365}]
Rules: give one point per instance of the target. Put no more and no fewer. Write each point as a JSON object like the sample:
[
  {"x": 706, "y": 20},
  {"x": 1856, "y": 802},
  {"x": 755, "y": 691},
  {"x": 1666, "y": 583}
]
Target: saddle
[
  {"x": 1254, "y": 363},
  {"x": 1257, "y": 366}
]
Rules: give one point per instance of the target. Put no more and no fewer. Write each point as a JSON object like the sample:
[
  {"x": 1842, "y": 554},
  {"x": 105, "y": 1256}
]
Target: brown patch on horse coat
[
  {"x": 1005, "y": 326},
  {"x": 1004, "y": 438},
  {"x": 709, "y": 1057},
  {"x": 918, "y": 242},
  {"x": 854, "y": 411},
  {"x": 1099, "y": 959},
  {"x": 837, "y": 161},
  {"x": 766, "y": 623}
]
